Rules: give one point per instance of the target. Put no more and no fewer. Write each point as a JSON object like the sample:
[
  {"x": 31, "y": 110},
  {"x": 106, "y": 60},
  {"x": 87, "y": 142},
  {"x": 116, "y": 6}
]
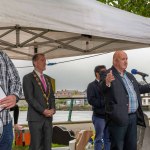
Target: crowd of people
[{"x": 114, "y": 96}]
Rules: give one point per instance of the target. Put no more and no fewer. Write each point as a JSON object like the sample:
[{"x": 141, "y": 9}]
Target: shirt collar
[
  {"x": 39, "y": 74},
  {"x": 125, "y": 72},
  {"x": 97, "y": 80}
]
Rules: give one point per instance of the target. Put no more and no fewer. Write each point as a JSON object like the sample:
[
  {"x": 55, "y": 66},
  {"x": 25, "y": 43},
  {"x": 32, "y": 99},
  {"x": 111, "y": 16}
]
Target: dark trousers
[
  {"x": 124, "y": 137},
  {"x": 41, "y": 135}
]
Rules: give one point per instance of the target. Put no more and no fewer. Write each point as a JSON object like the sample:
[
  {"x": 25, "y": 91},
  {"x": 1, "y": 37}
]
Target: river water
[
  {"x": 60, "y": 116},
  {"x": 63, "y": 116}
]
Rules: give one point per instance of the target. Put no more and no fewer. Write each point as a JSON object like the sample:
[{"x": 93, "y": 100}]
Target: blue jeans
[
  {"x": 124, "y": 137},
  {"x": 7, "y": 137},
  {"x": 101, "y": 134}
]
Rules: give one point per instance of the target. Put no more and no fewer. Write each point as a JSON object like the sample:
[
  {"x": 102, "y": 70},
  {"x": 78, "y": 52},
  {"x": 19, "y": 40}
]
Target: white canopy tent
[{"x": 63, "y": 28}]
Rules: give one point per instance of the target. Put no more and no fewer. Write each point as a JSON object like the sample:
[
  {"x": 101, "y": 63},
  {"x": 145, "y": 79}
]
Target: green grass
[
  {"x": 20, "y": 147},
  {"x": 14, "y": 147},
  {"x": 58, "y": 145},
  {"x": 23, "y": 108}
]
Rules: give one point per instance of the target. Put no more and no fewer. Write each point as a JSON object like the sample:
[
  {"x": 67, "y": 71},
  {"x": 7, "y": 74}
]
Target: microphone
[{"x": 134, "y": 71}]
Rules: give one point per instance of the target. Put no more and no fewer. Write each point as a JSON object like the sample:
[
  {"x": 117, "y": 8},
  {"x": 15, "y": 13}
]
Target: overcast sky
[{"x": 77, "y": 74}]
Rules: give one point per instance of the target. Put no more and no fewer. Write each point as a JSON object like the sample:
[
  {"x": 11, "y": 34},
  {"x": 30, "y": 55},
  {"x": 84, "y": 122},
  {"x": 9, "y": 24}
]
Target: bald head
[
  {"x": 120, "y": 60},
  {"x": 117, "y": 55}
]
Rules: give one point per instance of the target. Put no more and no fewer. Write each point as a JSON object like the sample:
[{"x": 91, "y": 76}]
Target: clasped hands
[
  {"x": 109, "y": 78},
  {"x": 48, "y": 112}
]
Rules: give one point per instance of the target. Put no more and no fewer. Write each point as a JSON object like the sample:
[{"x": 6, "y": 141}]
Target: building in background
[
  {"x": 146, "y": 101},
  {"x": 78, "y": 96}
]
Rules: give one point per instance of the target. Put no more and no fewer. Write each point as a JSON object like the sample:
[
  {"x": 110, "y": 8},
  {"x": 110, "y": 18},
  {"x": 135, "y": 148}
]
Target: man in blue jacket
[
  {"x": 123, "y": 103},
  {"x": 95, "y": 98}
]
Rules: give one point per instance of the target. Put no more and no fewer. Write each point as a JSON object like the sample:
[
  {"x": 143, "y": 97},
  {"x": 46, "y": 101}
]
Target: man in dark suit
[
  {"x": 96, "y": 100},
  {"x": 123, "y": 104},
  {"x": 40, "y": 98}
]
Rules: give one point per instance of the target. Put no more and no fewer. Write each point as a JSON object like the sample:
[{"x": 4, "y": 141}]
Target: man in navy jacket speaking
[{"x": 123, "y": 103}]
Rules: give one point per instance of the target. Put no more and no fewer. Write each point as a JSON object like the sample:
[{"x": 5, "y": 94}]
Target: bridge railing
[
  {"x": 143, "y": 136},
  {"x": 72, "y": 99}
]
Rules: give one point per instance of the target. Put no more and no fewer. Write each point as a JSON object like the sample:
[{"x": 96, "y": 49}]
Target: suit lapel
[
  {"x": 116, "y": 74},
  {"x": 98, "y": 86},
  {"x": 39, "y": 80}
]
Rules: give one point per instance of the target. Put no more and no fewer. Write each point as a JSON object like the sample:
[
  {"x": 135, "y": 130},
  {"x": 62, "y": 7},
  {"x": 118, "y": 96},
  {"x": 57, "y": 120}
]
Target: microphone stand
[{"x": 143, "y": 77}]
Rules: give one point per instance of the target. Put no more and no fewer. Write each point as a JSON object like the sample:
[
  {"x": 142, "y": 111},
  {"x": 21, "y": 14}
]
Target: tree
[{"x": 139, "y": 7}]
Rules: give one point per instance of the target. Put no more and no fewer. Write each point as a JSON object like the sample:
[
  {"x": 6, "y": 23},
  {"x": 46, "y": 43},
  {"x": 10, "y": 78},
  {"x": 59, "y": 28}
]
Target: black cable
[{"x": 50, "y": 64}]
